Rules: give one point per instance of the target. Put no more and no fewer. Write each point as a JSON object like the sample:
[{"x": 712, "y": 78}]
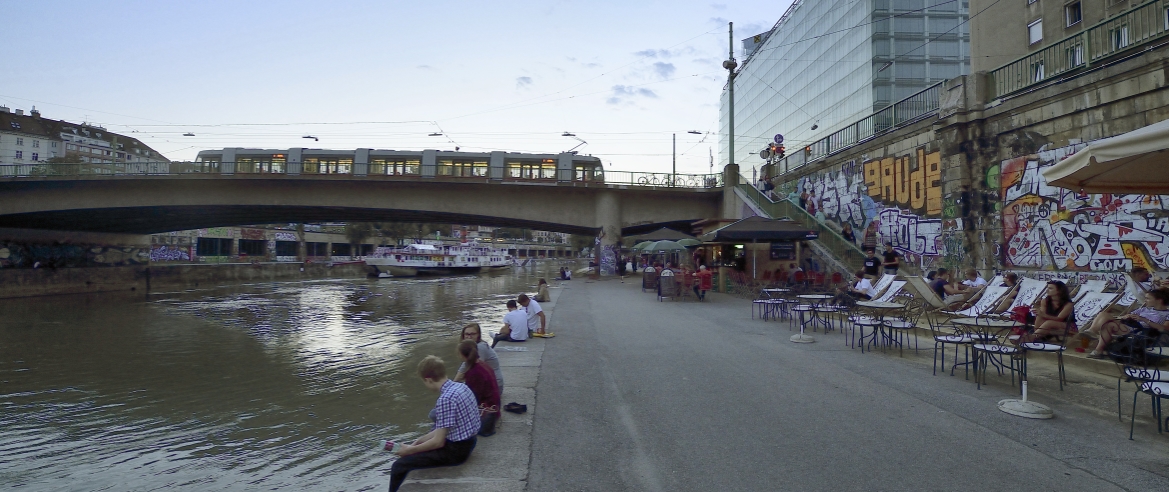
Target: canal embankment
[{"x": 500, "y": 463}]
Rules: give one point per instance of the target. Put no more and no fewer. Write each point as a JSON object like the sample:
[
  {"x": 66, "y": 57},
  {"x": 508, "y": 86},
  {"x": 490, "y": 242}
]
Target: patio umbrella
[
  {"x": 1133, "y": 162},
  {"x": 688, "y": 242},
  {"x": 660, "y": 235},
  {"x": 664, "y": 246},
  {"x": 641, "y": 246}
]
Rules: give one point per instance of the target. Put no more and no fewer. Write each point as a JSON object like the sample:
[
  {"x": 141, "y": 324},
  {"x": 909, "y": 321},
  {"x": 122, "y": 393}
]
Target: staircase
[{"x": 844, "y": 255}]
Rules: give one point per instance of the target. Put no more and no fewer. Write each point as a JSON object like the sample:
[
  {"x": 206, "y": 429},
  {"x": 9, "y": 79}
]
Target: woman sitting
[
  {"x": 1153, "y": 319},
  {"x": 486, "y": 354},
  {"x": 481, "y": 380},
  {"x": 542, "y": 291},
  {"x": 1056, "y": 316}
]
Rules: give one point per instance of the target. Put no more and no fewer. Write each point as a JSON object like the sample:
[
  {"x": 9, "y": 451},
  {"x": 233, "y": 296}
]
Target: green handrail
[{"x": 846, "y": 251}]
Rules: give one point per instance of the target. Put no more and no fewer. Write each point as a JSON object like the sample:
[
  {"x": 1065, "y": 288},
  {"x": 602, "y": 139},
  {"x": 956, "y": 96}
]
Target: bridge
[{"x": 144, "y": 198}]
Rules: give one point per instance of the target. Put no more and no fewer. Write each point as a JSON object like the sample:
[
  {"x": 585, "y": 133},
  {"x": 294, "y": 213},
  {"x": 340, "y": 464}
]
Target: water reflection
[{"x": 263, "y": 385}]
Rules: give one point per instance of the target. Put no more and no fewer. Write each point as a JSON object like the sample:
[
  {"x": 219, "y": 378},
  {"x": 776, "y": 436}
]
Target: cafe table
[{"x": 815, "y": 304}]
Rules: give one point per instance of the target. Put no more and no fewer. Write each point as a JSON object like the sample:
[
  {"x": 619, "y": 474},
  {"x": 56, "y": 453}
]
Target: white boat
[{"x": 430, "y": 259}]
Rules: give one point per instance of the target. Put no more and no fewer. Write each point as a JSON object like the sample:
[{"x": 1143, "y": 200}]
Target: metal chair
[{"x": 905, "y": 323}]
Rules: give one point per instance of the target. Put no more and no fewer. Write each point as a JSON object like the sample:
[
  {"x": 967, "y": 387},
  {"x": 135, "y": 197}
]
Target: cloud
[
  {"x": 623, "y": 93},
  {"x": 424, "y": 67},
  {"x": 592, "y": 65},
  {"x": 523, "y": 82},
  {"x": 664, "y": 70},
  {"x": 652, "y": 53}
]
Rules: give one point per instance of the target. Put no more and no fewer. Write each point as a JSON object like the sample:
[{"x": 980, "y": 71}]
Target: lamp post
[
  {"x": 730, "y": 64},
  {"x": 674, "y": 157}
]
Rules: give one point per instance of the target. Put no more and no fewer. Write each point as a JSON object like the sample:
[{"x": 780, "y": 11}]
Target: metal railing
[
  {"x": 847, "y": 252},
  {"x": 664, "y": 179},
  {"x": 134, "y": 169},
  {"x": 1136, "y": 27},
  {"x": 896, "y": 115}
]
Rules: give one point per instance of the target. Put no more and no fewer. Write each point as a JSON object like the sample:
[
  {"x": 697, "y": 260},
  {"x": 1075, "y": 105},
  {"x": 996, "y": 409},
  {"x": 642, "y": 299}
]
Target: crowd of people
[{"x": 468, "y": 405}]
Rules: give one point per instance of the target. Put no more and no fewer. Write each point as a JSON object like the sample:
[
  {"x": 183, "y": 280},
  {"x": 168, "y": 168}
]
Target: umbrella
[
  {"x": 1133, "y": 162},
  {"x": 641, "y": 246},
  {"x": 659, "y": 246},
  {"x": 662, "y": 234},
  {"x": 688, "y": 242}
]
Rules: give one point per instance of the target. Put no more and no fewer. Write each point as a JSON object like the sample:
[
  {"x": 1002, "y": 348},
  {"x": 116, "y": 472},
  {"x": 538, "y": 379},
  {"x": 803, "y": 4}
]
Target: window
[
  {"x": 286, "y": 248},
  {"x": 70, "y": 147},
  {"x": 53, "y": 144},
  {"x": 20, "y": 141},
  {"x": 210, "y": 246},
  {"x": 20, "y": 154},
  {"x": 316, "y": 249},
  {"x": 253, "y": 247},
  {"x": 36, "y": 144},
  {"x": 1119, "y": 37},
  {"x": 1037, "y": 70},
  {"x": 342, "y": 249},
  {"x": 1076, "y": 55},
  {"x": 394, "y": 167},
  {"x": 35, "y": 156},
  {"x": 1035, "y": 31},
  {"x": 1073, "y": 14}
]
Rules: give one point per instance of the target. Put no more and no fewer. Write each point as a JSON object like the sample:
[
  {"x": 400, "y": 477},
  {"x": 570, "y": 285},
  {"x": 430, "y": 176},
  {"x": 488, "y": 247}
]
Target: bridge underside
[{"x": 149, "y": 220}]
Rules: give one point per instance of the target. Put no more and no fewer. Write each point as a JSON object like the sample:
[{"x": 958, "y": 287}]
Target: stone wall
[{"x": 988, "y": 206}]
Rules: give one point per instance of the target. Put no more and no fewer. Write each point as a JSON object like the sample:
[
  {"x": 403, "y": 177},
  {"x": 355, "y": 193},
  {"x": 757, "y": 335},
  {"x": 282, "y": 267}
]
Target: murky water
[{"x": 265, "y": 386}]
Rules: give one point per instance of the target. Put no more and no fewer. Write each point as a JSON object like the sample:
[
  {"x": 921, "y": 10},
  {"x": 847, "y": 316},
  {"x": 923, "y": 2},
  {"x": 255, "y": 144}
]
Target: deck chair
[
  {"x": 883, "y": 283},
  {"x": 1029, "y": 292},
  {"x": 1127, "y": 298},
  {"x": 1089, "y": 286},
  {"x": 1090, "y": 305},
  {"x": 925, "y": 293},
  {"x": 985, "y": 305},
  {"x": 894, "y": 289}
]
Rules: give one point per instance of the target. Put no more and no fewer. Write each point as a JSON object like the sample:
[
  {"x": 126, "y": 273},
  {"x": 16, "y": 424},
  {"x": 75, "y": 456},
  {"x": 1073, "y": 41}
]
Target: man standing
[
  {"x": 872, "y": 264},
  {"x": 456, "y": 422},
  {"x": 892, "y": 260},
  {"x": 536, "y": 320},
  {"x": 515, "y": 325}
]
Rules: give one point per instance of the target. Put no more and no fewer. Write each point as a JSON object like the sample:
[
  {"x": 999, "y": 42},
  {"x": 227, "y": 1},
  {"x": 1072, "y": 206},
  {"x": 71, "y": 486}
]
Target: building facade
[
  {"x": 826, "y": 64},
  {"x": 1005, "y": 31},
  {"x": 30, "y": 139}
]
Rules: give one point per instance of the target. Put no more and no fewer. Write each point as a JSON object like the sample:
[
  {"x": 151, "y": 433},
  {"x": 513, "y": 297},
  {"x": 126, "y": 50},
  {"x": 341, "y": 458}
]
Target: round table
[
  {"x": 984, "y": 322},
  {"x": 880, "y": 309},
  {"x": 815, "y": 301}
]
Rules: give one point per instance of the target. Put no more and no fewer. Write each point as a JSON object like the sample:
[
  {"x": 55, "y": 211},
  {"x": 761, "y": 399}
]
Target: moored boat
[{"x": 431, "y": 259}]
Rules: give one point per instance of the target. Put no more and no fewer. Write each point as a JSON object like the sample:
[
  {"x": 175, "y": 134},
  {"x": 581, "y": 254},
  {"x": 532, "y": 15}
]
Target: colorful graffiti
[
  {"x": 1052, "y": 228},
  {"x": 902, "y": 195}
]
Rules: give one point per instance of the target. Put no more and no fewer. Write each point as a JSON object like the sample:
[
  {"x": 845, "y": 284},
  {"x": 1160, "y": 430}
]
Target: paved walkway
[{"x": 640, "y": 395}]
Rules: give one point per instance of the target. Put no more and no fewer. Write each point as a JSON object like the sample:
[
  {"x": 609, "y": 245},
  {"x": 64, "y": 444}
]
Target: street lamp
[{"x": 730, "y": 64}]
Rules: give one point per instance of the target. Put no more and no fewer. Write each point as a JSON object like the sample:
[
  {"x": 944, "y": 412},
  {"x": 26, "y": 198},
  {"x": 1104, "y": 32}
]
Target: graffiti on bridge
[
  {"x": 170, "y": 253},
  {"x": 16, "y": 254}
]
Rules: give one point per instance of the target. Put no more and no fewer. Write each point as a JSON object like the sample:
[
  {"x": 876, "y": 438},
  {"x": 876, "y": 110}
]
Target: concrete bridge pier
[
  {"x": 730, "y": 204},
  {"x": 608, "y": 213}
]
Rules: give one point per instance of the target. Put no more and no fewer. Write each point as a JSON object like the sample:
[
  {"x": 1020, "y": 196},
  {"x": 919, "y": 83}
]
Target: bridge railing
[{"x": 67, "y": 170}]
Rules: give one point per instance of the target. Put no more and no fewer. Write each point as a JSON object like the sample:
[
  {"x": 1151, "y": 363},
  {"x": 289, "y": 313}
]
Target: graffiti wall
[
  {"x": 1050, "y": 228},
  {"x": 17, "y": 254},
  {"x": 900, "y": 196},
  {"x": 163, "y": 252}
]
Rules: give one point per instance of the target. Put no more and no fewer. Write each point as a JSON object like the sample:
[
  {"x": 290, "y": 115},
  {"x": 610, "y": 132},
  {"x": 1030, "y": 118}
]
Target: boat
[{"x": 431, "y": 259}]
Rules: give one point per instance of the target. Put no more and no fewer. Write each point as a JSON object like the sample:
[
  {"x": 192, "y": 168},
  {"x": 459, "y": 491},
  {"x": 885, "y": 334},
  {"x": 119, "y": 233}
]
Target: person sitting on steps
[{"x": 481, "y": 379}]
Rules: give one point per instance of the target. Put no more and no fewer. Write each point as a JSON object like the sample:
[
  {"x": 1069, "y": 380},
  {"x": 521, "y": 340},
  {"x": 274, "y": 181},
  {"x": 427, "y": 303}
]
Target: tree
[{"x": 358, "y": 232}]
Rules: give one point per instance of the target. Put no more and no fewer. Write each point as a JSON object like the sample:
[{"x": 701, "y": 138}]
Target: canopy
[
  {"x": 1133, "y": 162},
  {"x": 641, "y": 246},
  {"x": 662, "y": 234},
  {"x": 760, "y": 229},
  {"x": 688, "y": 242}
]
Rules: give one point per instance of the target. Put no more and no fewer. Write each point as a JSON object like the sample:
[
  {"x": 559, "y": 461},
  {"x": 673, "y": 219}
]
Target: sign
[
  {"x": 778, "y": 138},
  {"x": 765, "y": 154},
  {"x": 783, "y": 251}
]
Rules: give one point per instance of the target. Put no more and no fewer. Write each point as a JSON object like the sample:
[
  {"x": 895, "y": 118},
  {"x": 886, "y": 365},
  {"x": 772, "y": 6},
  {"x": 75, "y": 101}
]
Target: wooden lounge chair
[{"x": 883, "y": 283}]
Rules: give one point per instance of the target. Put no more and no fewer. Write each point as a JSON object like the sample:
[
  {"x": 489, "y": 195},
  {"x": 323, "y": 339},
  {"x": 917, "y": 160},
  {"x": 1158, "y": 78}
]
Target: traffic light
[{"x": 779, "y": 150}]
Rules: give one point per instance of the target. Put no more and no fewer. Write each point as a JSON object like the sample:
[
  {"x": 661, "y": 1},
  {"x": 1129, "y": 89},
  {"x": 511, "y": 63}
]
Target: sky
[{"x": 505, "y": 75}]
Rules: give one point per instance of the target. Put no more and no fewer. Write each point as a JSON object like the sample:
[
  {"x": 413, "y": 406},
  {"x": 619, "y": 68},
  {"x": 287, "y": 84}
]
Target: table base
[
  {"x": 802, "y": 338},
  {"x": 1026, "y": 409}
]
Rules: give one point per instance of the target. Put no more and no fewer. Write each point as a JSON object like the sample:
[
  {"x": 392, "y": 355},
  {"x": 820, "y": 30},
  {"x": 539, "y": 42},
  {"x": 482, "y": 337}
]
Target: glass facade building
[{"x": 828, "y": 63}]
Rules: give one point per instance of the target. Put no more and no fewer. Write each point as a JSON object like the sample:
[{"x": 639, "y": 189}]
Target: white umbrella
[{"x": 1133, "y": 162}]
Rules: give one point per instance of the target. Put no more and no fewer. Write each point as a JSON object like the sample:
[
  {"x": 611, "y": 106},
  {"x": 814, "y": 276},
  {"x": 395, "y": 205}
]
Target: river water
[{"x": 286, "y": 385}]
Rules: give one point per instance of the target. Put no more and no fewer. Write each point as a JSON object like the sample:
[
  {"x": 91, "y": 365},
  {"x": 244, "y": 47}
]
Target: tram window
[
  {"x": 394, "y": 167},
  {"x": 315, "y": 165}
]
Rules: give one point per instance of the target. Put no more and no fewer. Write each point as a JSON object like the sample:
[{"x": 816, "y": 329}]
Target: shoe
[
  {"x": 514, "y": 407},
  {"x": 1096, "y": 355}
]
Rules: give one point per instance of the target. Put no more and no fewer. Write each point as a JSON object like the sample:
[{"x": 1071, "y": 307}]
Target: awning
[
  {"x": 663, "y": 234},
  {"x": 760, "y": 229},
  {"x": 1135, "y": 162}
]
